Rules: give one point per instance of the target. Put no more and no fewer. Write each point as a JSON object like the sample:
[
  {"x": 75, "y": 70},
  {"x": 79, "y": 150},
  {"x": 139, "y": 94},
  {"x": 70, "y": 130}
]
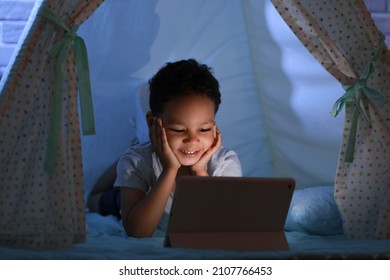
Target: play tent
[{"x": 57, "y": 136}]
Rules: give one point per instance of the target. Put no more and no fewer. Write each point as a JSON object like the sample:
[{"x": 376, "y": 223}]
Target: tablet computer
[{"x": 234, "y": 213}]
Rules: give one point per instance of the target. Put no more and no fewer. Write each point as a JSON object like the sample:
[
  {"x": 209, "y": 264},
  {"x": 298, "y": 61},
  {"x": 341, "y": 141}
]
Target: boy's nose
[{"x": 191, "y": 137}]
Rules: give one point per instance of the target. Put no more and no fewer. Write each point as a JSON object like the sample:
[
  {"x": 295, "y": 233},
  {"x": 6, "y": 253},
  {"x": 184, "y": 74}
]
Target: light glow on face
[{"x": 189, "y": 122}]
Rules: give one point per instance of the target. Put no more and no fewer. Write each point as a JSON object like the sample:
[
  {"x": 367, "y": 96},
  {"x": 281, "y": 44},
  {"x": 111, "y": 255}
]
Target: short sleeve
[
  {"x": 225, "y": 163},
  {"x": 135, "y": 170}
]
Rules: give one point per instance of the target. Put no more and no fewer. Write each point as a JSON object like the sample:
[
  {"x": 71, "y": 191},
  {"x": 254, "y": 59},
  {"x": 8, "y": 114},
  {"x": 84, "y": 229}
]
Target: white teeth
[{"x": 189, "y": 152}]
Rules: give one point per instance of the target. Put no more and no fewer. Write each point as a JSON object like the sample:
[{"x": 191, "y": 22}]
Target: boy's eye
[{"x": 177, "y": 130}]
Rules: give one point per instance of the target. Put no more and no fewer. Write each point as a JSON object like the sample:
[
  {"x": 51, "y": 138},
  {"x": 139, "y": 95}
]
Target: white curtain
[
  {"x": 343, "y": 37},
  {"x": 43, "y": 206}
]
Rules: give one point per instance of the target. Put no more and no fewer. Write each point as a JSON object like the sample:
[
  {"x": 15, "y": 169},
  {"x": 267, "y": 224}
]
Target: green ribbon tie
[
  {"x": 59, "y": 52},
  {"x": 355, "y": 93}
]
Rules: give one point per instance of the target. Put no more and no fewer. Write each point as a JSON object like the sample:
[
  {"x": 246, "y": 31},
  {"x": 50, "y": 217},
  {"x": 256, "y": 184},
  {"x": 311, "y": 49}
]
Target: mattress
[{"x": 106, "y": 240}]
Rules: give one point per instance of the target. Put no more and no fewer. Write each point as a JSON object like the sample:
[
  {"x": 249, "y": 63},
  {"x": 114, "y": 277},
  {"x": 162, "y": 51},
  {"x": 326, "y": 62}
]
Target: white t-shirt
[{"x": 139, "y": 168}]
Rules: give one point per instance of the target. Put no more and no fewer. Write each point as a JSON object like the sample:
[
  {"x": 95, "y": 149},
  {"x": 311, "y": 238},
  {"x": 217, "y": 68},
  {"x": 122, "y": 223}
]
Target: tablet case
[{"x": 234, "y": 213}]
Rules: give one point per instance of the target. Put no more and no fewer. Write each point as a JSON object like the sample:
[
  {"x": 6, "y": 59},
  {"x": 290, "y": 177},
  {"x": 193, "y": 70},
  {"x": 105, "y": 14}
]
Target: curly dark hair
[{"x": 176, "y": 79}]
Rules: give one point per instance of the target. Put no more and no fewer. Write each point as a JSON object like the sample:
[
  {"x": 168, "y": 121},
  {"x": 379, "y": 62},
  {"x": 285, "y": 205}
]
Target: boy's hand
[
  {"x": 199, "y": 168},
  {"x": 160, "y": 145}
]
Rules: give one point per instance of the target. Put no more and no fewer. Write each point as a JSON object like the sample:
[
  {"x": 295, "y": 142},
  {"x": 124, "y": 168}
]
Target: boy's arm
[{"x": 141, "y": 213}]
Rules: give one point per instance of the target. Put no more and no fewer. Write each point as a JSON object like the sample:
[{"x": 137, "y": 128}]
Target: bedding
[
  {"x": 313, "y": 230},
  {"x": 107, "y": 240},
  {"x": 314, "y": 211}
]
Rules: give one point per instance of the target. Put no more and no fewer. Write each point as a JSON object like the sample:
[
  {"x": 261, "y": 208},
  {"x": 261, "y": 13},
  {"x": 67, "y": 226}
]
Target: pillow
[{"x": 314, "y": 210}]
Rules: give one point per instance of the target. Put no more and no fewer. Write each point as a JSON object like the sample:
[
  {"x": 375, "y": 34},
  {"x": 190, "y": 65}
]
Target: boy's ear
[{"x": 149, "y": 119}]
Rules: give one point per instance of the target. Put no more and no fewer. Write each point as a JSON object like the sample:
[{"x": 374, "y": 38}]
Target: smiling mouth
[{"x": 189, "y": 152}]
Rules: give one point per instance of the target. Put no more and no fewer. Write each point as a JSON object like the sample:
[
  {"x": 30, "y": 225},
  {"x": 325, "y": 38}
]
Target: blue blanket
[{"x": 107, "y": 240}]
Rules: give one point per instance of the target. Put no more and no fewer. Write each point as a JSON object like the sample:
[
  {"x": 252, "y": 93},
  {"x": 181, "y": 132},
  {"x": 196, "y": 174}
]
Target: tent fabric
[
  {"x": 344, "y": 39},
  {"x": 39, "y": 209},
  {"x": 304, "y": 138}
]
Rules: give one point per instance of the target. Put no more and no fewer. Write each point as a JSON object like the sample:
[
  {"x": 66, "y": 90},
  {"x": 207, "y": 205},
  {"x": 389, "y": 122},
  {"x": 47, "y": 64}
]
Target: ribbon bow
[
  {"x": 356, "y": 93},
  {"x": 59, "y": 52}
]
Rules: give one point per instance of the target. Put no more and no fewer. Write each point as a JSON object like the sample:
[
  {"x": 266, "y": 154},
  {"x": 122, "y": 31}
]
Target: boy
[{"x": 184, "y": 141}]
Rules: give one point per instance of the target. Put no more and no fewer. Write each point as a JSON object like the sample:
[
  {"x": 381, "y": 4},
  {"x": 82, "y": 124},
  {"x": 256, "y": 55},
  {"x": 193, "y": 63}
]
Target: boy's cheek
[
  {"x": 211, "y": 140},
  {"x": 171, "y": 140}
]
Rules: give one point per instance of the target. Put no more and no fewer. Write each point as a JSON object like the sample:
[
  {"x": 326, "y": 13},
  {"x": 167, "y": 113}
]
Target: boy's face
[{"x": 189, "y": 122}]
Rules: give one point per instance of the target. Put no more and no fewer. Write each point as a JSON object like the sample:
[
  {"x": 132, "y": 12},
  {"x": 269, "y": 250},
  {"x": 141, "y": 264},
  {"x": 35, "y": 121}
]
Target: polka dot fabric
[
  {"x": 342, "y": 36},
  {"x": 38, "y": 210}
]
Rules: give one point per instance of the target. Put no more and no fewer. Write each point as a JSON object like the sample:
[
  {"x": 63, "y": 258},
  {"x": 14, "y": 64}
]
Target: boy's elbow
[{"x": 137, "y": 232}]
